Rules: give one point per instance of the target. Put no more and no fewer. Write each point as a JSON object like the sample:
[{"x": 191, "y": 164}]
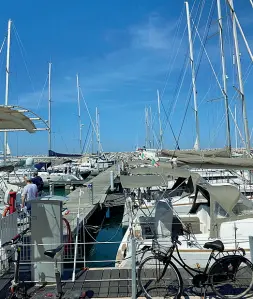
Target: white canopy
[{"x": 11, "y": 119}]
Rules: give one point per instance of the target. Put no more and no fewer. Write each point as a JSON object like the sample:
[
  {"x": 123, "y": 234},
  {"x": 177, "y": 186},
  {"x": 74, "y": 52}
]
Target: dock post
[
  {"x": 133, "y": 245},
  {"x": 51, "y": 188},
  {"x": 112, "y": 180},
  {"x": 90, "y": 187},
  {"x": 118, "y": 169},
  {"x": 251, "y": 247}
]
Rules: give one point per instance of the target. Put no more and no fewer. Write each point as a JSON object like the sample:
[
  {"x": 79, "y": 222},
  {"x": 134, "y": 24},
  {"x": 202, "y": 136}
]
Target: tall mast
[
  {"x": 147, "y": 127},
  {"x": 239, "y": 71},
  {"x": 49, "y": 108},
  {"x": 79, "y": 112},
  {"x": 7, "y": 82},
  {"x": 151, "y": 141},
  {"x": 236, "y": 142},
  {"x": 223, "y": 63},
  {"x": 159, "y": 118},
  {"x": 98, "y": 130},
  {"x": 193, "y": 76}
]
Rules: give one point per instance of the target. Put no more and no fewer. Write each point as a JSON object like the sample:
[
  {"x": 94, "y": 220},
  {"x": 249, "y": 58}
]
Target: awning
[
  {"x": 137, "y": 181},
  {"x": 204, "y": 153},
  {"x": 217, "y": 163},
  {"x": 11, "y": 119}
]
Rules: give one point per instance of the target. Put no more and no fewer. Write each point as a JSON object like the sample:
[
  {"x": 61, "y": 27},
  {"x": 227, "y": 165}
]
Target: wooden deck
[
  {"x": 82, "y": 198},
  {"x": 105, "y": 283}
]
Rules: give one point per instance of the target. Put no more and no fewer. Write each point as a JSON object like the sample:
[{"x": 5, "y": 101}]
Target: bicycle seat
[
  {"x": 215, "y": 245},
  {"x": 52, "y": 252}
]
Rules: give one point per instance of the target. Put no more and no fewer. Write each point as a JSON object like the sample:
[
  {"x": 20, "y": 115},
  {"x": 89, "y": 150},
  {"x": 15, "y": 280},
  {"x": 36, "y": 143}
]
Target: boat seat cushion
[{"x": 215, "y": 245}]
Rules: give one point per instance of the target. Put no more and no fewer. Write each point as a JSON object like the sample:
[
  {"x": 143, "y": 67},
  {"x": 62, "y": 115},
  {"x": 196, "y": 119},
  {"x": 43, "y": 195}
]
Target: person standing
[
  {"x": 30, "y": 192},
  {"x": 37, "y": 180}
]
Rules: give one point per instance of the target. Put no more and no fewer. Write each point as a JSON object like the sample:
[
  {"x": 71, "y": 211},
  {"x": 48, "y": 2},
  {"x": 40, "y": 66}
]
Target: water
[{"x": 111, "y": 231}]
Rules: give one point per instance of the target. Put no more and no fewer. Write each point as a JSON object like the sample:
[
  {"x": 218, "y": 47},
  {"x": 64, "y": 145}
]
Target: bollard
[
  {"x": 111, "y": 180},
  {"x": 90, "y": 187},
  {"x": 118, "y": 169},
  {"x": 51, "y": 188}
]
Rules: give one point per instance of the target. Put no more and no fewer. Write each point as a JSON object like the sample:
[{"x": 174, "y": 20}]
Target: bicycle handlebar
[{"x": 15, "y": 239}]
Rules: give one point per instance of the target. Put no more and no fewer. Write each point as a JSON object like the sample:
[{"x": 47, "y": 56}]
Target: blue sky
[{"x": 123, "y": 51}]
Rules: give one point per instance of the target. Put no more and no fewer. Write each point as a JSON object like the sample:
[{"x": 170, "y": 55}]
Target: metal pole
[
  {"x": 224, "y": 75},
  {"x": 147, "y": 127},
  {"x": 193, "y": 76},
  {"x": 97, "y": 129},
  {"x": 111, "y": 180},
  {"x": 151, "y": 142},
  {"x": 7, "y": 82},
  {"x": 159, "y": 118},
  {"x": 79, "y": 112},
  {"x": 49, "y": 107},
  {"x": 133, "y": 245},
  {"x": 239, "y": 71},
  {"x": 236, "y": 141}
]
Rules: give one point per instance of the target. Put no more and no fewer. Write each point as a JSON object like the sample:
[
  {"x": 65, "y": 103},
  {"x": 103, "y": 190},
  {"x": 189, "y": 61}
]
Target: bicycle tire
[
  {"x": 148, "y": 291},
  {"x": 229, "y": 266}
]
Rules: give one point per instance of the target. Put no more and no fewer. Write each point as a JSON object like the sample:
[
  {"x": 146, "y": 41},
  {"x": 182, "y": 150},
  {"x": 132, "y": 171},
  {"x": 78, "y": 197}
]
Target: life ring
[{"x": 6, "y": 211}]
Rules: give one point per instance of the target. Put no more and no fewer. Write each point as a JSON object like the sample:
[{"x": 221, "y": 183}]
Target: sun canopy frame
[{"x": 16, "y": 118}]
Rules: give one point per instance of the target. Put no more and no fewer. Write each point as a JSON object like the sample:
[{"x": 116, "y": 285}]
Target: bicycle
[
  {"x": 155, "y": 273},
  {"x": 17, "y": 292},
  {"x": 15, "y": 289}
]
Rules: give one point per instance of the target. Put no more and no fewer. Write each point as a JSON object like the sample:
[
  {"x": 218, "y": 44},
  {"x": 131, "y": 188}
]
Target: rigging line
[
  {"x": 182, "y": 37},
  {"x": 86, "y": 138},
  {"x": 42, "y": 93},
  {"x": 184, "y": 67},
  {"x": 171, "y": 63},
  {"x": 210, "y": 63},
  {"x": 186, "y": 62},
  {"x": 96, "y": 133},
  {"x": 232, "y": 101},
  {"x": 19, "y": 42},
  {"x": 197, "y": 71}
]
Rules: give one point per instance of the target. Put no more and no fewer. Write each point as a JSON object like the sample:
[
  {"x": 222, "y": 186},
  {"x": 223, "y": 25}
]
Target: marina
[{"x": 85, "y": 211}]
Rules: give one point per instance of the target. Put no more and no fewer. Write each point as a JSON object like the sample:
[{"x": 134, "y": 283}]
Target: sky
[{"x": 123, "y": 52}]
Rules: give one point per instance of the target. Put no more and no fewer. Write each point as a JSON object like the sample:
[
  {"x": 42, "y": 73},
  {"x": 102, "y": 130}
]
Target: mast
[
  {"x": 147, "y": 127},
  {"x": 7, "y": 82},
  {"x": 49, "y": 108},
  {"x": 98, "y": 130},
  {"x": 239, "y": 71},
  {"x": 193, "y": 76},
  {"x": 159, "y": 118},
  {"x": 79, "y": 113},
  {"x": 236, "y": 142},
  {"x": 151, "y": 141},
  {"x": 223, "y": 63}
]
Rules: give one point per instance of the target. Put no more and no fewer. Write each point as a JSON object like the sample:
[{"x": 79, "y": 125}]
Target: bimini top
[{"x": 11, "y": 119}]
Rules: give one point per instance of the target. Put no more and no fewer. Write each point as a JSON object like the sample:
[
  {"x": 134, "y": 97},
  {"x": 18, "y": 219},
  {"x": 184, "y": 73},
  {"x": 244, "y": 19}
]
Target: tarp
[
  {"x": 205, "y": 153},
  {"x": 7, "y": 168},
  {"x": 217, "y": 163},
  {"x": 55, "y": 154},
  {"x": 14, "y": 120},
  {"x": 42, "y": 164},
  {"x": 137, "y": 181}
]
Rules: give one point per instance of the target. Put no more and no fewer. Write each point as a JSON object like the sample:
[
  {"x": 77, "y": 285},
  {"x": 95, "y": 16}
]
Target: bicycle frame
[{"x": 186, "y": 267}]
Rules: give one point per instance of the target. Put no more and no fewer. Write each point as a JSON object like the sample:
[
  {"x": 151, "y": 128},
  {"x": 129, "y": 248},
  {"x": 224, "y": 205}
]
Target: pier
[{"x": 84, "y": 201}]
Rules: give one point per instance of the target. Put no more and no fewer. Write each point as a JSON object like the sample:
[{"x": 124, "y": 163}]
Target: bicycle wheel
[
  {"x": 231, "y": 277},
  {"x": 159, "y": 279}
]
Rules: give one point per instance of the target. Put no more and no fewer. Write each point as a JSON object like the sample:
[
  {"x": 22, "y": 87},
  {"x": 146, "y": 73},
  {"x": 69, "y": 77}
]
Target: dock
[
  {"x": 84, "y": 201},
  {"x": 107, "y": 283}
]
